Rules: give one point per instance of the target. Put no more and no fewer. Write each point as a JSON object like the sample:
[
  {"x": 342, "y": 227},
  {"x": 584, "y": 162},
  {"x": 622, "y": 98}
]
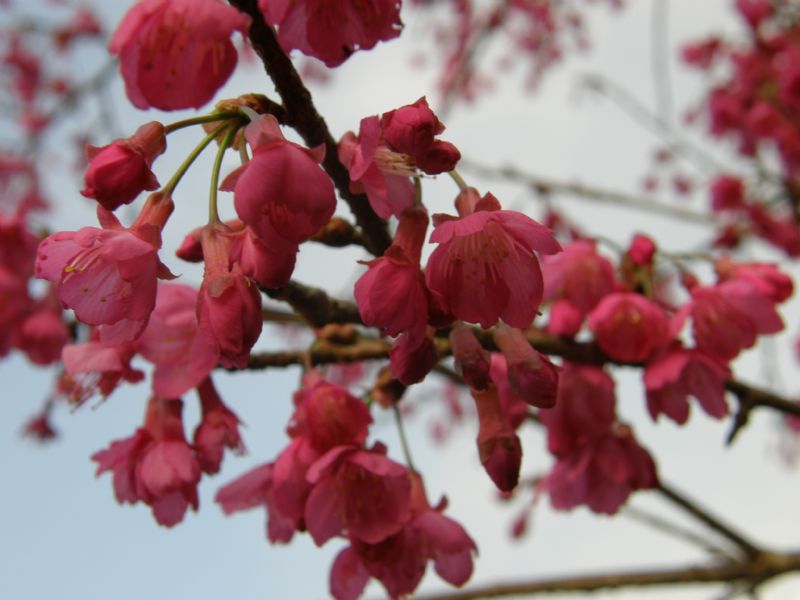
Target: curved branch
[{"x": 304, "y": 118}]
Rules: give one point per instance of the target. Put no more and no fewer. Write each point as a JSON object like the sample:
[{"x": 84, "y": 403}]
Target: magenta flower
[
  {"x": 229, "y": 303},
  {"x": 95, "y": 367},
  {"x": 678, "y": 373},
  {"x": 601, "y": 473},
  {"x": 155, "y": 465},
  {"x": 42, "y": 335},
  {"x": 531, "y": 374},
  {"x": 119, "y": 172},
  {"x": 176, "y": 53},
  {"x": 360, "y": 492},
  {"x": 281, "y": 190},
  {"x": 628, "y": 326},
  {"x": 472, "y": 361},
  {"x": 108, "y": 276},
  {"x": 392, "y": 293},
  {"x": 332, "y": 31},
  {"x": 173, "y": 342},
  {"x": 578, "y": 276},
  {"x": 499, "y": 448},
  {"x": 484, "y": 268}
]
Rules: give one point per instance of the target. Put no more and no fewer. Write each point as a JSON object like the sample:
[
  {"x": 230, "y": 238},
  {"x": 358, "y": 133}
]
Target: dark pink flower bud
[
  {"x": 176, "y": 54},
  {"x": 766, "y": 278},
  {"x": 472, "y": 361},
  {"x": 411, "y": 128},
  {"x": 229, "y": 304},
  {"x": 754, "y": 11},
  {"x": 702, "y": 54},
  {"x": 514, "y": 408},
  {"x": 671, "y": 377},
  {"x": 119, "y": 172},
  {"x": 269, "y": 262},
  {"x": 628, "y": 326},
  {"x": 530, "y": 373},
  {"x": 42, "y": 335},
  {"x": 727, "y": 193},
  {"x": 218, "y": 429},
  {"x": 498, "y": 446},
  {"x": 442, "y": 158},
  {"x": 642, "y": 250},
  {"x": 411, "y": 362}
]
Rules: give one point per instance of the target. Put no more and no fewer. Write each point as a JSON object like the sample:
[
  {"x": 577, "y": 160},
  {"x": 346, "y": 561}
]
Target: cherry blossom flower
[
  {"x": 484, "y": 268},
  {"x": 332, "y": 31},
  {"x": 499, "y": 448},
  {"x": 218, "y": 429},
  {"x": 628, "y": 326},
  {"x": 176, "y": 53},
  {"x": 155, "y": 465}
]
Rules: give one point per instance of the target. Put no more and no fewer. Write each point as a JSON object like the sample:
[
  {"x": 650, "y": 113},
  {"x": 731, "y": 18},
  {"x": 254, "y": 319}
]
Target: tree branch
[
  {"x": 758, "y": 571},
  {"x": 304, "y": 118}
]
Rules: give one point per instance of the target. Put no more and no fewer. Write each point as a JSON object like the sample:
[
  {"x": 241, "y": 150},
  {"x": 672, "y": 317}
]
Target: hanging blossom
[
  {"x": 108, "y": 276},
  {"x": 484, "y": 268},
  {"x": 176, "y": 54},
  {"x": 390, "y": 149},
  {"x": 332, "y": 31}
]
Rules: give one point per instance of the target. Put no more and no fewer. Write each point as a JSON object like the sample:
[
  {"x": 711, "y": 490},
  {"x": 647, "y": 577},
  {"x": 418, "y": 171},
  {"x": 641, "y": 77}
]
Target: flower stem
[
  {"x": 213, "y": 215},
  {"x": 212, "y": 118},
  {"x": 462, "y": 185},
  {"x": 173, "y": 183},
  {"x": 417, "y": 191},
  {"x": 403, "y": 440}
]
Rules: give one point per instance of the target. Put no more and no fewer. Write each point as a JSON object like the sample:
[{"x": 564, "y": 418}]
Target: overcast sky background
[{"x": 62, "y": 535}]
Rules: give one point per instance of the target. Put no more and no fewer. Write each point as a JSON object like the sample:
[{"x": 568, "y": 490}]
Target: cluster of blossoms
[
  {"x": 757, "y": 105},
  {"x": 490, "y": 273},
  {"x": 327, "y": 482}
]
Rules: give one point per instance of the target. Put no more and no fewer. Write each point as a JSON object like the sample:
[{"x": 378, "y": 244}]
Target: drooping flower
[
  {"x": 229, "y": 304},
  {"x": 332, "y": 31},
  {"x": 484, "y": 268},
  {"x": 499, "y": 448},
  {"x": 155, "y": 465},
  {"x": 531, "y": 374},
  {"x": 678, "y": 373},
  {"x": 173, "y": 342},
  {"x": 218, "y": 429},
  {"x": 176, "y": 53},
  {"x": 108, "y": 276},
  {"x": 94, "y": 367},
  {"x": 282, "y": 190},
  {"x": 392, "y": 293},
  {"x": 119, "y": 172},
  {"x": 360, "y": 492}
]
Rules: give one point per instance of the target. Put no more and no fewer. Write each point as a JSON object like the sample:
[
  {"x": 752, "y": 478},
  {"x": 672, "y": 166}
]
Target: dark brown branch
[
  {"x": 749, "y": 548},
  {"x": 304, "y": 118},
  {"x": 766, "y": 567},
  {"x": 338, "y": 233},
  {"x": 315, "y": 306}
]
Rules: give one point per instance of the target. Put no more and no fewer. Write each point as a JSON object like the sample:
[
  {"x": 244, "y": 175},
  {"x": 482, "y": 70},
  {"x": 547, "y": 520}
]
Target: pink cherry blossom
[
  {"x": 484, "y": 268},
  {"x": 155, "y": 465},
  {"x": 229, "y": 303},
  {"x": 628, "y": 326},
  {"x": 95, "y": 367},
  {"x": 392, "y": 293},
  {"x": 174, "y": 343},
  {"x": 678, "y": 373},
  {"x": 579, "y": 276},
  {"x": 412, "y": 358},
  {"x": 119, "y": 172},
  {"x": 332, "y": 31},
  {"x": 176, "y": 53},
  {"x": 530, "y": 373},
  {"x": 360, "y": 492},
  {"x": 472, "y": 361},
  {"x": 282, "y": 190},
  {"x": 601, "y": 473}
]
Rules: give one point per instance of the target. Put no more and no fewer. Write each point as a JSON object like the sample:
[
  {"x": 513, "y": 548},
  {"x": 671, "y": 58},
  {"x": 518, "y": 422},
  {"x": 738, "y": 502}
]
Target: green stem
[
  {"x": 173, "y": 183},
  {"x": 213, "y": 117},
  {"x": 462, "y": 185},
  {"x": 243, "y": 153},
  {"x": 213, "y": 215},
  {"x": 403, "y": 440}
]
